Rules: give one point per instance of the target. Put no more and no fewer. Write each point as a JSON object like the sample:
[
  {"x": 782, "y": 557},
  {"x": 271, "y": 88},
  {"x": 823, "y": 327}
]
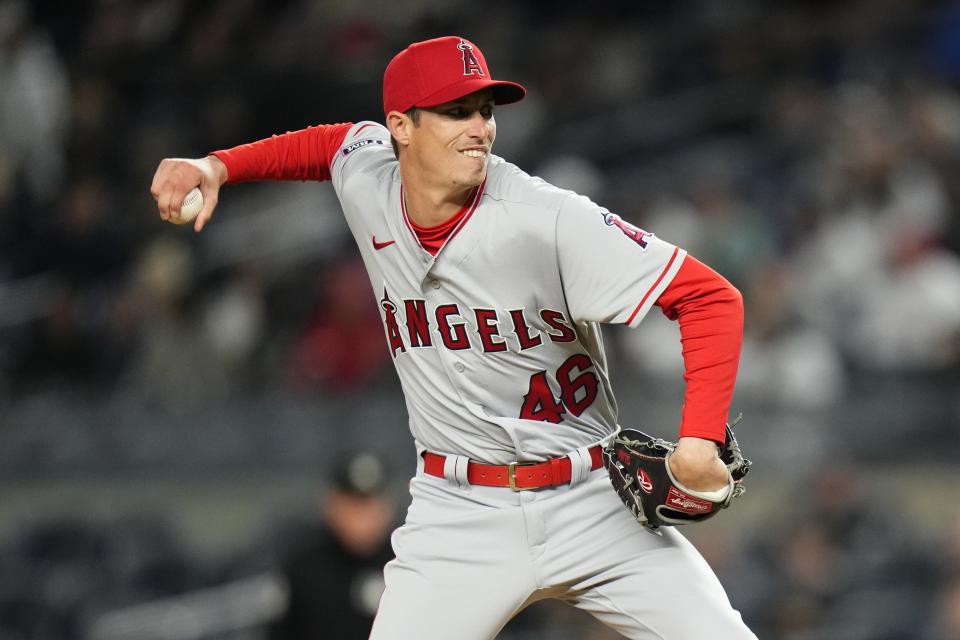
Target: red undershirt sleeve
[
  {"x": 710, "y": 312},
  {"x": 306, "y": 154}
]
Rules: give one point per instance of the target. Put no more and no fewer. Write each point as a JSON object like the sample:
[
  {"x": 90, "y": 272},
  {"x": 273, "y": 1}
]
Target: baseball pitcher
[{"x": 491, "y": 285}]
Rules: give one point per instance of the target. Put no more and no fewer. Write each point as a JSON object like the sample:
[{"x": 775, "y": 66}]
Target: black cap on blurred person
[{"x": 360, "y": 473}]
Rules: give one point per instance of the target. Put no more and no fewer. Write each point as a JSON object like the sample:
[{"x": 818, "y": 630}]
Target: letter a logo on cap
[{"x": 470, "y": 63}]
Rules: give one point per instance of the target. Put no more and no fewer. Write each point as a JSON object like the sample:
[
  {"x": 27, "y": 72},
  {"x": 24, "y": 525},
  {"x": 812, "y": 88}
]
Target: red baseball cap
[{"x": 432, "y": 72}]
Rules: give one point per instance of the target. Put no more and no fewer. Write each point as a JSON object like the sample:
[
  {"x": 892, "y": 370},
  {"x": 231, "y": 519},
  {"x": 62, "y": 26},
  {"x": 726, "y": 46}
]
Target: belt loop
[
  {"x": 580, "y": 465},
  {"x": 556, "y": 476},
  {"x": 455, "y": 471}
]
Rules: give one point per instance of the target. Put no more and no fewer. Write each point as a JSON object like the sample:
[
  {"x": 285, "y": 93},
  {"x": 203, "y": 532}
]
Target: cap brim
[{"x": 504, "y": 92}]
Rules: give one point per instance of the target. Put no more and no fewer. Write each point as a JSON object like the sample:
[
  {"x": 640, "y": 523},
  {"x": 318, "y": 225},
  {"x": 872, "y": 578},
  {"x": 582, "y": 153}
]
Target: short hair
[{"x": 414, "y": 114}]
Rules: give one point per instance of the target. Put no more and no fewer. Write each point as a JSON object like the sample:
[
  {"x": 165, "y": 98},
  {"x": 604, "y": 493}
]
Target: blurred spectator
[
  {"x": 342, "y": 348},
  {"x": 922, "y": 331},
  {"x": 946, "y": 621},
  {"x": 575, "y": 173},
  {"x": 81, "y": 244},
  {"x": 334, "y": 570},
  {"x": 736, "y": 238},
  {"x": 60, "y": 570},
  {"x": 785, "y": 361},
  {"x": 232, "y": 321},
  {"x": 951, "y": 549},
  {"x": 33, "y": 103},
  {"x": 842, "y": 566},
  {"x": 62, "y": 352},
  {"x": 168, "y": 361}
]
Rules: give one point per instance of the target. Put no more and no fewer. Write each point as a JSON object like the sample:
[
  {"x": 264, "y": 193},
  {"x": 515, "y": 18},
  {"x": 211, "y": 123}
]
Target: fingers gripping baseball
[
  {"x": 176, "y": 177},
  {"x": 172, "y": 181}
]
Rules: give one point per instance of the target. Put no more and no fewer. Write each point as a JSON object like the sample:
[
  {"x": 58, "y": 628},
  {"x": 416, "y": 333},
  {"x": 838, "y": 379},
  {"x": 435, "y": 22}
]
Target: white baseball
[{"x": 191, "y": 206}]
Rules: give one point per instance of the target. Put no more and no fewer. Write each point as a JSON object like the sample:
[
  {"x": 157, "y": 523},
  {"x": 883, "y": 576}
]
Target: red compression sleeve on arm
[
  {"x": 710, "y": 312},
  {"x": 306, "y": 154}
]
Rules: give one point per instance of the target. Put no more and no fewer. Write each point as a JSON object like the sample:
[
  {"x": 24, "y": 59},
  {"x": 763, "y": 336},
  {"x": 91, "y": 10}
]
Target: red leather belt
[{"x": 518, "y": 476}]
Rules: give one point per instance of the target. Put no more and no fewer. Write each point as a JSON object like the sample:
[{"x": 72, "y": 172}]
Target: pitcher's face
[{"x": 453, "y": 140}]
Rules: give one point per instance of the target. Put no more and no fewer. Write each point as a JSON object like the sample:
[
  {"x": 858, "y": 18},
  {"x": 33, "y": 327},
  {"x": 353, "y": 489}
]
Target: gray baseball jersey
[{"x": 496, "y": 339}]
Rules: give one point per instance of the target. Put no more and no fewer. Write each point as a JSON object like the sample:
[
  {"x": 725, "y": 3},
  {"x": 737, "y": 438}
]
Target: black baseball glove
[{"x": 637, "y": 464}]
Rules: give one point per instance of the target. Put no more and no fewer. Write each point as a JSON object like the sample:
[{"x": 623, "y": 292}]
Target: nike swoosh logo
[{"x": 380, "y": 245}]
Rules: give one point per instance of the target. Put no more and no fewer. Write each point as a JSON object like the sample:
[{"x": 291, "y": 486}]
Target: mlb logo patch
[{"x": 359, "y": 144}]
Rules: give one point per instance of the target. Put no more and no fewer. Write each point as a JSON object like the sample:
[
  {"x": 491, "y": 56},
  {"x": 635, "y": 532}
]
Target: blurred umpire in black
[{"x": 334, "y": 571}]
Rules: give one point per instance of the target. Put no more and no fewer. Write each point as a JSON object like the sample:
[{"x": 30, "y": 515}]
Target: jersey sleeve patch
[
  {"x": 363, "y": 135},
  {"x": 612, "y": 271},
  {"x": 638, "y": 235},
  {"x": 366, "y": 145},
  {"x": 359, "y": 144}
]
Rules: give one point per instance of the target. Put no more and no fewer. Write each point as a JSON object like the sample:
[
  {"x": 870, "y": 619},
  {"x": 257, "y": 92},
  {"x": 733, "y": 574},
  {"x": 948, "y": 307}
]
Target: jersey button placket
[{"x": 431, "y": 291}]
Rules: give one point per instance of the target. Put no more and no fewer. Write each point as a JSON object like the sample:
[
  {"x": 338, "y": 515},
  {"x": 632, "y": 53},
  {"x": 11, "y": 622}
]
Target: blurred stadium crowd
[{"x": 810, "y": 152}]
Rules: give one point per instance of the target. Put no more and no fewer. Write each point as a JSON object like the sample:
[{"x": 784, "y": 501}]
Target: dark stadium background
[{"x": 169, "y": 401}]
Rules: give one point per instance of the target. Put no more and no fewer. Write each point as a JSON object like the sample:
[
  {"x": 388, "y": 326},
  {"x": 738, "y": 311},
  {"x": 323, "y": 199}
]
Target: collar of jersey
[{"x": 437, "y": 236}]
